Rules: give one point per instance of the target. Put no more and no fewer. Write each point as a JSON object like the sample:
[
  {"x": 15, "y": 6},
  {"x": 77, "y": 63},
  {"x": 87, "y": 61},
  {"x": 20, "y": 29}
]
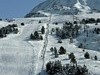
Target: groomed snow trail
[{"x": 16, "y": 53}]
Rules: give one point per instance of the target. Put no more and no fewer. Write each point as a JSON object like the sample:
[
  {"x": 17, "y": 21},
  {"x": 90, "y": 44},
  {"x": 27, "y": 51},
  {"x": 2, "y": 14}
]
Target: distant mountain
[{"x": 65, "y": 7}]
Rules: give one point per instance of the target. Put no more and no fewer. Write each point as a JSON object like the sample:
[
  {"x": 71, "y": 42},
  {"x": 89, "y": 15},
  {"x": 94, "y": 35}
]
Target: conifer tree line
[
  {"x": 69, "y": 30},
  {"x": 8, "y": 29},
  {"x": 90, "y": 20},
  {"x": 57, "y": 68},
  {"x": 73, "y": 68},
  {"x": 72, "y": 30}
]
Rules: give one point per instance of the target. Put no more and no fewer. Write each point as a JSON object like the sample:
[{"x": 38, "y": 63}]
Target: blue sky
[{"x": 16, "y": 8}]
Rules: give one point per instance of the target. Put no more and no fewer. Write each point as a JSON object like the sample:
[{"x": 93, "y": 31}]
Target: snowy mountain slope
[
  {"x": 93, "y": 4},
  {"x": 54, "y": 6},
  {"x": 83, "y": 8},
  {"x": 93, "y": 66},
  {"x": 18, "y": 56},
  {"x": 65, "y": 7}
]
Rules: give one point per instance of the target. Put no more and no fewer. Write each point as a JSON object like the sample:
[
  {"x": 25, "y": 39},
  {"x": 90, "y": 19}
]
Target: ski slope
[
  {"x": 17, "y": 55},
  {"x": 21, "y": 56}
]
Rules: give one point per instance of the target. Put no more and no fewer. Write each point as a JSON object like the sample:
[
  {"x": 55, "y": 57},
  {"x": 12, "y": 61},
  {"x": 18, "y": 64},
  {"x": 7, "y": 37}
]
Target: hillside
[
  {"x": 58, "y": 37},
  {"x": 65, "y": 7},
  {"x": 21, "y": 55}
]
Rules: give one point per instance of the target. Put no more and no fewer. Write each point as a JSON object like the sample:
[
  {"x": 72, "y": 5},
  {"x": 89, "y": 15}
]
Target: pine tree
[
  {"x": 51, "y": 49},
  {"x": 95, "y": 57},
  {"x": 53, "y": 68},
  {"x": 32, "y": 36},
  {"x": 36, "y": 34},
  {"x": 48, "y": 66},
  {"x": 22, "y": 24},
  {"x": 87, "y": 55},
  {"x": 72, "y": 58},
  {"x": 41, "y": 37},
  {"x": 42, "y": 30},
  {"x": 62, "y": 50},
  {"x": 40, "y": 21}
]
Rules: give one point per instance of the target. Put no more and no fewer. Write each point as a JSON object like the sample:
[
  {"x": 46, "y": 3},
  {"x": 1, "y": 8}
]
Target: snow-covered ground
[
  {"x": 17, "y": 54},
  {"x": 21, "y": 56},
  {"x": 92, "y": 64}
]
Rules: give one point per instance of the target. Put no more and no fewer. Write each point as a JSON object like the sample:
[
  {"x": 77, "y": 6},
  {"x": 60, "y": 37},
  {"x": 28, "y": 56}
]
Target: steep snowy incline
[
  {"x": 83, "y": 8},
  {"x": 54, "y": 6},
  {"x": 65, "y": 7},
  {"x": 93, "y": 4},
  {"x": 17, "y": 55}
]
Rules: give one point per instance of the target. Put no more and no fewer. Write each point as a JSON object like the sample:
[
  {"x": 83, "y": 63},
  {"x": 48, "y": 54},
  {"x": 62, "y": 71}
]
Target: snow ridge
[{"x": 66, "y": 6}]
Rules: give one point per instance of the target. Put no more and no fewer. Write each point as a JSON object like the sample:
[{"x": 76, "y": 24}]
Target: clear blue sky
[{"x": 16, "y": 8}]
